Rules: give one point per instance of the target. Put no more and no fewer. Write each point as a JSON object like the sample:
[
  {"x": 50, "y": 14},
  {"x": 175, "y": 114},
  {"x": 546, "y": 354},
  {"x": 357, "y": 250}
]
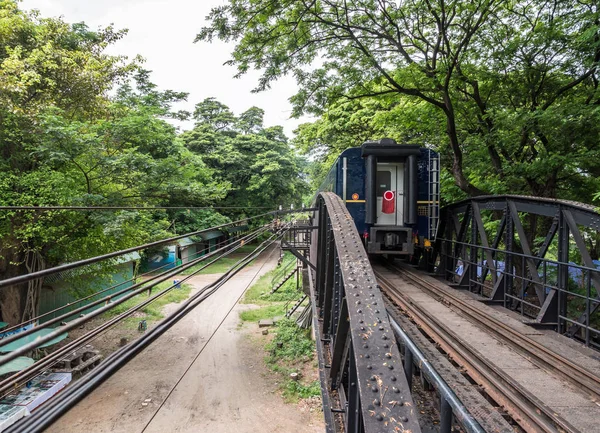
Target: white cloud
[{"x": 163, "y": 33}]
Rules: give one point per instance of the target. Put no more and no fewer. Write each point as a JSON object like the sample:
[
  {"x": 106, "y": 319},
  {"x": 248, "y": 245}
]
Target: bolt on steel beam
[{"x": 369, "y": 379}]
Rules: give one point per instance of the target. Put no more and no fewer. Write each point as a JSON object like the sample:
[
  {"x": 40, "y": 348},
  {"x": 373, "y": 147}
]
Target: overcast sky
[{"x": 163, "y": 33}]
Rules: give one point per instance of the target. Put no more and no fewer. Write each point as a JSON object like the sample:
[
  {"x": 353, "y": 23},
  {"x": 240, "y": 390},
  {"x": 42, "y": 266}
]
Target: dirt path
[{"x": 225, "y": 388}]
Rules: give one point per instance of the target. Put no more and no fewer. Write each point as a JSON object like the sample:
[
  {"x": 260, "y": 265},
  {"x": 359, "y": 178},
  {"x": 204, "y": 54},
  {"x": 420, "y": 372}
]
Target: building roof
[
  {"x": 17, "y": 364},
  {"x": 124, "y": 258},
  {"x": 213, "y": 234},
  {"x": 20, "y": 342}
]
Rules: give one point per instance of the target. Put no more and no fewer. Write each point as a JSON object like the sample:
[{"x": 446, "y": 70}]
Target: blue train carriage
[{"x": 392, "y": 192}]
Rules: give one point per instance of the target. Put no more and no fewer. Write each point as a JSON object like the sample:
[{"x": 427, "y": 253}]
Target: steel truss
[
  {"x": 553, "y": 281},
  {"x": 363, "y": 384}
]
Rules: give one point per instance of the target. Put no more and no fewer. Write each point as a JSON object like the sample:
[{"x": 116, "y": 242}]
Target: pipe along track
[
  {"x": 20, "y": 378},
  {"x": 49, "y": 413},
  {"x": 523, "y": 407}
]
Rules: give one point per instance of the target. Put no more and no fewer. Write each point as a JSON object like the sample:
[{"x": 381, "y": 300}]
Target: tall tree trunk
[
  {"x": 34, "y": 262},
  {"x": 457, "y": 162},
  {"x": 12, "y": 298}
]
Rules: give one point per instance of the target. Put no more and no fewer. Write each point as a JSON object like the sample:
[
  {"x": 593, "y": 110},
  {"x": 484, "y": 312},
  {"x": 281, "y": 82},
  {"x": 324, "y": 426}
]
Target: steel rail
[
  {"x": 46, "y": 362},
  {"x": 527, "y": 410},
  {"x": 74, "y": 323},
  {"x": 45, "y": 272},
  {"x": 536, "y": 352},
  {"x": 45, "y": 416},
  {"x": 93, "y": 208},
  {"x": 459, "y": 410}
]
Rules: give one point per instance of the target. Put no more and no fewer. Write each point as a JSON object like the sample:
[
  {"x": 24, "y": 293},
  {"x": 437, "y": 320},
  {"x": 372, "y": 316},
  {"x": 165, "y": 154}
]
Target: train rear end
[
  {"x": 392, "y": 193},
  {"x": 401, "y": 197}
]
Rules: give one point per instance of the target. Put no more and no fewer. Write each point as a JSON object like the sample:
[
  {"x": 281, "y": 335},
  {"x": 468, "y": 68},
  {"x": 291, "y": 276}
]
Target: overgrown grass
[
  {"x": 222, "y": 265},
  {"x": 294, "y": 390},
  {"x": 267, "y": 312},
  {"x": 291, "y": 343},
  {"x": 291, "y": 348},
  {"x": 260, "y": 292},
  {"x": 152, "y": 311}
]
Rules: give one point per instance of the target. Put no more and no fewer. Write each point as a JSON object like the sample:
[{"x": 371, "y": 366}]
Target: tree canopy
[
  {"x": 502, "y": 88},
  {"x": 256, "y": 161},
  {"x": 80, "y": 127}
]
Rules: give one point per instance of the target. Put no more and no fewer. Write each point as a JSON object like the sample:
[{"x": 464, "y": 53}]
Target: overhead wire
[
  {"x": 160, "y": 406},
  {"x": 85, "y": 298},
  {"x": 46, "y": 362},
  {"x": 147, "y": 208},
  {"x": 46, "y": 415},
  {"x": 139, "y": 288},
  {"x": 67, "y": 266}
]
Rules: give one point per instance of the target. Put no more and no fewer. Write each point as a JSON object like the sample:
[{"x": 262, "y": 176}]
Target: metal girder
[
  {"x": 477, "y": 220},
  {"x": 561, "y": 285},
  {"x": 297, "y": 253},
  {"x": 354, "y": 333},
  {"x": 539, "y": 289},
  {"x": 587, "y": 260}
]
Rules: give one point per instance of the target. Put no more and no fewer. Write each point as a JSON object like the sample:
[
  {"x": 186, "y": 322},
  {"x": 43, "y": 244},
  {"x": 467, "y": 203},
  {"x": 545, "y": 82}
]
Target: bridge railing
[
  {"x": 530, "y": 255},
  {"x": 362, "y": 379}
]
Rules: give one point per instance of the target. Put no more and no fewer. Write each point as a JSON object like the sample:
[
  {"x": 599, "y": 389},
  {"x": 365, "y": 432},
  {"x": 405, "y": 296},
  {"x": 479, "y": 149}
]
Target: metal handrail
[{"x": 451, "y": 404}]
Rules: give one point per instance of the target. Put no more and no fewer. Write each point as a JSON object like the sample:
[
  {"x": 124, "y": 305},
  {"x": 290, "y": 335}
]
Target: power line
[
  {"x": 46, "y": 362},
  {"x": 67, "y": 266},
  {"x": 45, "y": 416},
  {"x": 205, "y": 344},
  {"x": 146, "y": 208},
  {"x": 139, "y": 288},
  {"x": 85, "y": 298}
]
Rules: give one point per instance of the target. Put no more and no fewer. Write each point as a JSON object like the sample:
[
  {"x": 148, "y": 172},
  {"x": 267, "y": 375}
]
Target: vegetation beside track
[
  {"x": 292, "y": 350},
  {"x": 271, "y": 304},
  {"x": 289, "y": 348}
]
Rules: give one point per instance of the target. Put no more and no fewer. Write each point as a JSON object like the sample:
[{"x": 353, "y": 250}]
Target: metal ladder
[{"x": 433, "y": 211}]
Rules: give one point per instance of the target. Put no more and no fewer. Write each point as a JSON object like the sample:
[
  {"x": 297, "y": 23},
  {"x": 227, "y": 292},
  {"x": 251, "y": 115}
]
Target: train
[{"x": 392, "y": 191}]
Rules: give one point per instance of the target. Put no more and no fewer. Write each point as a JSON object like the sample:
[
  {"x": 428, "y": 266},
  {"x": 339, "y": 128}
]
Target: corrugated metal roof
[
  {"x": 125, "y": 258},
  {"x": 212, "y": 235},
  {"x": 186, "y": 242}
]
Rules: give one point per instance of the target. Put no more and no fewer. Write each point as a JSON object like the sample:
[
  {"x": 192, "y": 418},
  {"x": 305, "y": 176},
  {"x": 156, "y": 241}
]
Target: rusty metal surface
[
  {"x": 485, "y": 413},
  {"x": 367, "y": 373},
  {"x": 533, "y": 350},
  {"x": 543, "y": 403}
]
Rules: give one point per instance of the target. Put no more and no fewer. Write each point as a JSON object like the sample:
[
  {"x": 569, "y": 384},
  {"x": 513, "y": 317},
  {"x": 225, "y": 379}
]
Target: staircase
[
  {"x": 283, "y": 276},
  {"x": 296, "y": 305}
]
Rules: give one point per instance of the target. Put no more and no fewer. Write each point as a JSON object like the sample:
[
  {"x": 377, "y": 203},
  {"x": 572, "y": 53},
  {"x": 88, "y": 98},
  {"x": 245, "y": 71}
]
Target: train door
[{"x": 390, "y": 187}]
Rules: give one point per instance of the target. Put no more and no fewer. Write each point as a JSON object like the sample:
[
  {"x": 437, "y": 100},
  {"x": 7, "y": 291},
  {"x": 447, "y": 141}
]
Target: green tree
[
  {"x": 66, "y": 141},
  {"x": 258, "y": 163},
  {"x": 512, "y": 86}
]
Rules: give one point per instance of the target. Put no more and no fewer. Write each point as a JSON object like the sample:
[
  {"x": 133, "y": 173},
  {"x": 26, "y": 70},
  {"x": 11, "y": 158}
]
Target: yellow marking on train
[
  {"x": 355, "y": 201},
  {"x": 425, "y": 202}
]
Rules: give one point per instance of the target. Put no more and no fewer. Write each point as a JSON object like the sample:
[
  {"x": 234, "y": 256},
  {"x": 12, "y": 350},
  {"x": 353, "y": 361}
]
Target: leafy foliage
[
  {"x": 66, "y": 138},
  {"x": 256, "y": 161},
  {"x": 80, "y": 127},
  {"x": 506, "y": 91}
]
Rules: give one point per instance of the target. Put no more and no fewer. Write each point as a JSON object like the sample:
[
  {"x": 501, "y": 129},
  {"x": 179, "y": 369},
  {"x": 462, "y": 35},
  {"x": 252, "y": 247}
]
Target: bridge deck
[
  {"x": 567, "y": 401},
  {"x": 200, "y": 376}
]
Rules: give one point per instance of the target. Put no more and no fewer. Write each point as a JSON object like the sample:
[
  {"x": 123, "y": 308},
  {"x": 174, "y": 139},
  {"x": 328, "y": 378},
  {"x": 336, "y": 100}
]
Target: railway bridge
[{"x": 498, "y": 329}]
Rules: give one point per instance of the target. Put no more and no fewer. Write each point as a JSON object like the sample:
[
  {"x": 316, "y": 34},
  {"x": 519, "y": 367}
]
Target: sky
[{"x": 163, "y": 32}]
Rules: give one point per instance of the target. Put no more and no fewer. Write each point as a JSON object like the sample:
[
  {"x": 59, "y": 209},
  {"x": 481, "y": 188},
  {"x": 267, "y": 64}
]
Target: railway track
[{"x": 527, "y": 410}]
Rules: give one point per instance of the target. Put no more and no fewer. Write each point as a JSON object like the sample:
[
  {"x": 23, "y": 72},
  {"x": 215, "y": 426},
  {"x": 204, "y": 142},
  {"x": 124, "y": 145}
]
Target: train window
[{"x": 384, "y": 182}]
